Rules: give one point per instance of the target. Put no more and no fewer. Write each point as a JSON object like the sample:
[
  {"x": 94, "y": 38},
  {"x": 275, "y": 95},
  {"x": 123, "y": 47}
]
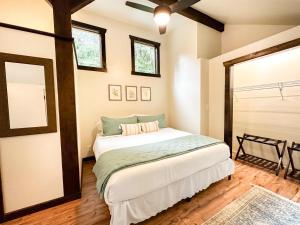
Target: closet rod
[
  {"x": 279, "y": 85},
  {"x": 269, "y": 97},
  {"x": 44, "y": 33}
]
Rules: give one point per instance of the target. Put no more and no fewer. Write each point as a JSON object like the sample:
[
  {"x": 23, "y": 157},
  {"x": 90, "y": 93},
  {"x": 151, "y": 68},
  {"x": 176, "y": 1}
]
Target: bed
[{"x": 136, "y": 193}]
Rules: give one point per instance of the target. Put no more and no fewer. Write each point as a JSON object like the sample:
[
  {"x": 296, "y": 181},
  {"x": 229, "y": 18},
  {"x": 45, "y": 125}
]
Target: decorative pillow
[
  {"x": 160, "y": 118},
  {"x": 98, "y": 125},
  {"x": 111, "y": 126},
  {"x": 131, "y": 129},
  {"x": 150, "y": 127}
]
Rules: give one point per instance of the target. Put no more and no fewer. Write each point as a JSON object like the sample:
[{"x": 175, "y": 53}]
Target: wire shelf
[{"x": 280, "y": 85}]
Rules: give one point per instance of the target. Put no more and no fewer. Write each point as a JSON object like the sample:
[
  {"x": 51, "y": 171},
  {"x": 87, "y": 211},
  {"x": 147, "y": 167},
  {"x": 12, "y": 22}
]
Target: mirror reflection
[{"x": 26, "y": 95}]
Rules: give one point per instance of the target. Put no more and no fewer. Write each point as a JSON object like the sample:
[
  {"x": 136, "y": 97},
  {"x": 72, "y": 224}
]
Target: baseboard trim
[
  {"x": 89, "y": 158},
  {"x": 39, "y": 207}
]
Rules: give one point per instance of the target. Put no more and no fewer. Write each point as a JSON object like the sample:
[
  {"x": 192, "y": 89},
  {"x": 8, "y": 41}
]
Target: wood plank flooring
[{"x": 91, "y": 210}]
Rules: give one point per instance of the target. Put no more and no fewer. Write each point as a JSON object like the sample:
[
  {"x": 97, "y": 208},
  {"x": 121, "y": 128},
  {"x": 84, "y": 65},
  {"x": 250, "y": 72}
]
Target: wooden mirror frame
[
  {"x": 228, "y": 110},
  {"x": 5, "y": 130}
]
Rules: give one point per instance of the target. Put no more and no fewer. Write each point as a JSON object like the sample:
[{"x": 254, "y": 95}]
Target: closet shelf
[{"x": 280, "y": 85}]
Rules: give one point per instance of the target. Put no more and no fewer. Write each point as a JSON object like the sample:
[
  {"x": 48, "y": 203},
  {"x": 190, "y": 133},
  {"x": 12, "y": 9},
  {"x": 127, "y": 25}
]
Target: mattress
[{"x": 136, "y": 181}]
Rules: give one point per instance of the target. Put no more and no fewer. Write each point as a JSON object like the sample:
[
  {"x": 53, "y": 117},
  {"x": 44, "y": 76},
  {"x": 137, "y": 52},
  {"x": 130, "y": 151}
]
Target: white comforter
[{"x": 136, "y": 181}]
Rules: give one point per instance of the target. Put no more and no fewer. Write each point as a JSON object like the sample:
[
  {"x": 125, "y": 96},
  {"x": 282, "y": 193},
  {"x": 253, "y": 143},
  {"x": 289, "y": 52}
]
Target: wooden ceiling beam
[
  {"x": 195, "y": 15},
  {"x": 74, "y": 5},
  {"x": 79, "y": 4}
]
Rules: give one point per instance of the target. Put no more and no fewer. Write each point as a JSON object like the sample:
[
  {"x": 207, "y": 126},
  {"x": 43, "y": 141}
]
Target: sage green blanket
[{"x": 115, "y": 160}]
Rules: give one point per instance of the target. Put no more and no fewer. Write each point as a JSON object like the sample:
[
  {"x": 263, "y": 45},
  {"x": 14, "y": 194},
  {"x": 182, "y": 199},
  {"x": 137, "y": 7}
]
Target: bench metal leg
[
  {"x": 280, "y": 156},
  {"x": 287, "y": 169},
  {"x": 240, "y": 141},
  {"x": 188, "y": 199},
  {"x": 290, "y": 163}
]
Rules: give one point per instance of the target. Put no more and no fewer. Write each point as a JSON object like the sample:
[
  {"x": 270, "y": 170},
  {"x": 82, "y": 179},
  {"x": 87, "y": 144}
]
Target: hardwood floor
[{"x": 91, "y": 210}]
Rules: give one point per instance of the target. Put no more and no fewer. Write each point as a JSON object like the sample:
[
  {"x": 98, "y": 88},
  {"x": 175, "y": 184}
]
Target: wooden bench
[
  {"x": 265, "y": 163},
  {"x": 295, "y": 173}
]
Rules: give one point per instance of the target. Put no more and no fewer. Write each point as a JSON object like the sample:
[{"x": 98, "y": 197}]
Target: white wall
[
  {"x": 190, "y": 45},
  {"x": 31, "y": 167},
  {"x": 35, "y": 14},
  {"x": 204, "y": 97},
  {"x": 217, "y": 77},
  {"x": 237, "y": 36},
  {"x": 93, "y": 86},
  {"x": 264, "y": 112},
  {"x": 208, "y": 42},
  {"x": 184, "y": 77},
  {"x": 208, "y": 46}
]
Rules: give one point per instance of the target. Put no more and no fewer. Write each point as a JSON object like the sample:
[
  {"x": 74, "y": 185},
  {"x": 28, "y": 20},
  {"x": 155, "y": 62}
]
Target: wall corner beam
[{"x": 62, "y": 11}]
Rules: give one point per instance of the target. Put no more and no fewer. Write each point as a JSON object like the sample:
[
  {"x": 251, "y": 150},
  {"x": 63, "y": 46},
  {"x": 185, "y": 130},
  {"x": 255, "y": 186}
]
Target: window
[
  {"x": 145, "y": 57},
  {"x": 89, "y": 44}
]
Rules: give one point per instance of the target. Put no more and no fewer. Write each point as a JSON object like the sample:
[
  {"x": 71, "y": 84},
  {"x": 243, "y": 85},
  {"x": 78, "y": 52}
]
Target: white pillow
[
  {"x": 131, "y": 129},
  {"x": 99, "y": 122},
  {"x": 150, "y": 126},
  {"x": 99, "y": 127}
]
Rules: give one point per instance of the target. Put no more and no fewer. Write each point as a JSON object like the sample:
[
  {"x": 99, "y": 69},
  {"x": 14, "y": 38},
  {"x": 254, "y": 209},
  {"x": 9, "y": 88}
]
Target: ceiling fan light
[{"x": 162, "y": 15}]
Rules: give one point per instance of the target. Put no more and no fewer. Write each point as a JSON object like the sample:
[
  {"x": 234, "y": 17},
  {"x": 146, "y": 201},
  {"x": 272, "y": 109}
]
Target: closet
[{"x": 266, "y": 102}]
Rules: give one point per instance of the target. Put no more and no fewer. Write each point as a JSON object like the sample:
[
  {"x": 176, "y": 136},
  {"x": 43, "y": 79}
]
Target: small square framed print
[
  {"x": 114, "y": 92},
  {"x": 131, "y": 93},
  {"x": 145, "y": 93}
]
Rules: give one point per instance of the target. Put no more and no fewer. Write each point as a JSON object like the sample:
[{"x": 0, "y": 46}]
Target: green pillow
[
  {"x": 161, "y": 119},
  {"x": 111, "y": 126}
]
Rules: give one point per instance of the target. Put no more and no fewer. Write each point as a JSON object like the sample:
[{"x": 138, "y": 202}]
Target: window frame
[
  {"x": 99, "y": 30},
  {"x": 156, "y": 45}
]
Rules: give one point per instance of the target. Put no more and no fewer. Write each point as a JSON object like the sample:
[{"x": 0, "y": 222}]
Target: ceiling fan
[{"x": 162, "y": 13}]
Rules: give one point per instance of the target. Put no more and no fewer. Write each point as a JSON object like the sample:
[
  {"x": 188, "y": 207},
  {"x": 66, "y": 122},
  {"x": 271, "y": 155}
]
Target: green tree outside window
[
  {"x": 88, "y": 48},
  {"x": 145, "y": 58}
]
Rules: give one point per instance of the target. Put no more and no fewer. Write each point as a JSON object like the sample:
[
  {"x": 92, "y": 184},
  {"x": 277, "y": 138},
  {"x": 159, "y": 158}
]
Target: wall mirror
[{"x": 27, "y": 104}]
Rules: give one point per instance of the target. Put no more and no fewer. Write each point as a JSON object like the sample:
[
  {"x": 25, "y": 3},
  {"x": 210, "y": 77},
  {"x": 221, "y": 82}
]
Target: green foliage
[
  {"x": 88, "y": 48},
  {"x": 145, "y": 58}
]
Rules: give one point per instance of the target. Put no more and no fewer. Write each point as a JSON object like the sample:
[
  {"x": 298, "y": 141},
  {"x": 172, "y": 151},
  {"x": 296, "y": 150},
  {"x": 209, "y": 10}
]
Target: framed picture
[
  {"x": 131, "y": 93},
  {"x": 114, "y": 92},
  {"x": 145, "y": 93}
]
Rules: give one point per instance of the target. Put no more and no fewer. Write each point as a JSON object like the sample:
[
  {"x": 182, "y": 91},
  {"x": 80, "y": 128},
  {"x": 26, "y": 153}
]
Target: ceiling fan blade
[
  {"x": 140, "y": 7},
  {"x": 181, "y": 5},
  {"x": 162, "y": 29}
]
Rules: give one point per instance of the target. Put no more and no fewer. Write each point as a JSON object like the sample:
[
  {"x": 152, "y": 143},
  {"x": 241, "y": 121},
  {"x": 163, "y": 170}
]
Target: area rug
[{"x": 258, "y": 207}]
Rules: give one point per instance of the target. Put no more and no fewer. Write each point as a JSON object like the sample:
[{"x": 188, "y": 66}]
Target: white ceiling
[{"x": 267, "y": 12}]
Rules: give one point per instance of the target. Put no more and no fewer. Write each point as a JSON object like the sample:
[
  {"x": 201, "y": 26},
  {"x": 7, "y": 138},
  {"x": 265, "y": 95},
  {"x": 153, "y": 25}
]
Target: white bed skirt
[{"x": 141, "y": 208}]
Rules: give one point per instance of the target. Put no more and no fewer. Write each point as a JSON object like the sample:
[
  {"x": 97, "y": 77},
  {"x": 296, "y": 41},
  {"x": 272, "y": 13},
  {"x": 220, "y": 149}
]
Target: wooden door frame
[{"x": 228, "y": 111}]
